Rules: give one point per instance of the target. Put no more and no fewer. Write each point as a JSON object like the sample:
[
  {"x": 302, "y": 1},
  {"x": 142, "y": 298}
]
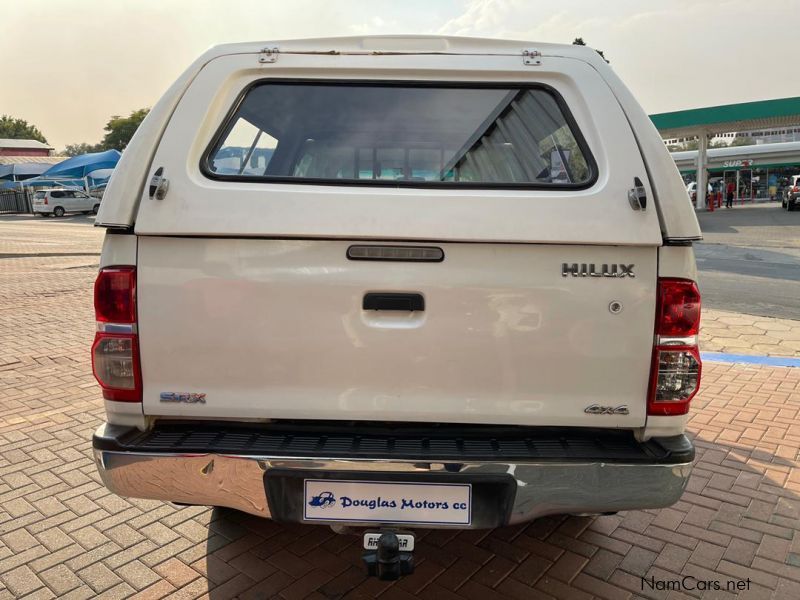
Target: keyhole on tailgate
[{"x": 615, "y": 307}]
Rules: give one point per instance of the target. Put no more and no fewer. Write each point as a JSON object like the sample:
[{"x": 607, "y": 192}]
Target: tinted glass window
[
  {"x": 392, "y": 134},
  {"x": 57, "y": 194}
]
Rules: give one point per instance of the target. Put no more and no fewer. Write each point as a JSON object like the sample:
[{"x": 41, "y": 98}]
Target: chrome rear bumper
[{"x": 542, "y": 487}]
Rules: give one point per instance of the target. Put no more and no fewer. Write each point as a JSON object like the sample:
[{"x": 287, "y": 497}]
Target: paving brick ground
[
  {"x": 735, "y": 333},
  {"x": 63, "y": 535}
]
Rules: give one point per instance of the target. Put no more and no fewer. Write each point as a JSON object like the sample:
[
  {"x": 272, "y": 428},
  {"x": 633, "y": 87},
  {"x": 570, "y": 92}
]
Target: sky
[{"x": 69, "y": 65}]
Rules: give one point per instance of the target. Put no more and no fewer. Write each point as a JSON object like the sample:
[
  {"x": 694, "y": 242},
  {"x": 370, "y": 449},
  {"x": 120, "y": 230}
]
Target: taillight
[
  {"x": 115, "y": 295},
  {"x": 115, "y": 352},
  {"x": 678, "y": 308},
  {"x": 45, "y": 200},
  {"x": 676, "y": 366},
  {"x": 795, "y": 189}
]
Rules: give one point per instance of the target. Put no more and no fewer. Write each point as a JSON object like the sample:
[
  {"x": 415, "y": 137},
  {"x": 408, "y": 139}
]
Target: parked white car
[
  {"x": 791, "y": 195},
  {"x": 58, "y": 202},
  {"x": 397, "y": 282},
  {"x": 691, "y": 190}
]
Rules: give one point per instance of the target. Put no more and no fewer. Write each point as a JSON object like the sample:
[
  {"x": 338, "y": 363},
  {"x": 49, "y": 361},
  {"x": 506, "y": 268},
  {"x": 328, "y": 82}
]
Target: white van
[
  {"x": 58, "y": 202},
  {"x": 396, "y": 282}
]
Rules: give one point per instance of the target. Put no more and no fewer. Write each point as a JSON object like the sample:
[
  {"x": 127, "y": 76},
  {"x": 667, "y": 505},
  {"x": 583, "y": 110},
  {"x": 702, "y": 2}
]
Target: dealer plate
[{"x": 388, "y": 502}]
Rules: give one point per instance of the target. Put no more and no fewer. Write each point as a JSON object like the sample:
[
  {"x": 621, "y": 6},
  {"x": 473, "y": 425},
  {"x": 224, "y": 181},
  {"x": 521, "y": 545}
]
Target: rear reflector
[
  {"x": 115, "y": 295},
  {"x": 115, "y": 351}
]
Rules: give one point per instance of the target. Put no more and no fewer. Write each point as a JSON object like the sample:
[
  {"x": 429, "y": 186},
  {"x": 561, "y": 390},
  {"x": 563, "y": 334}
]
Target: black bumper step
[{"x": 435, "y": 443}]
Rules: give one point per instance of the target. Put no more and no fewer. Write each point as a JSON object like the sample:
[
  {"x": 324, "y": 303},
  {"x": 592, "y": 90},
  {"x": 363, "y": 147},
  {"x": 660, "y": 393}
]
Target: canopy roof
[
  {"x": 78, "y": 167},
  {"x": 31, "y": 168},
  {"x": 23, "y": 144},
  {"x": 403, "y": 44},
  {"x": 780, "y": 112},
  {"x": 783, "y": 154},
  {"x": 24, "y": 159}
]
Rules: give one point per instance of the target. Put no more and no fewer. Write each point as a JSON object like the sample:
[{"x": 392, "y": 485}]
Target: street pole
[{"x": 702, "y": 174}]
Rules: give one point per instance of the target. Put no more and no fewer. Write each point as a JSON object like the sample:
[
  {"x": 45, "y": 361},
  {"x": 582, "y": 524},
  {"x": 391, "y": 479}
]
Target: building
[
  {"x": 10, "y": 147},
  {"x": 757, "y": 172},
  {"x": 756, "y": 136}
]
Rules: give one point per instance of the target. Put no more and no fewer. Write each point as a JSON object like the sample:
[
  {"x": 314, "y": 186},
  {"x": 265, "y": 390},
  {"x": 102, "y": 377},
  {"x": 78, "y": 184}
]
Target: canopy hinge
[
  {"x": 268, "y": 55},
  {"x": 532, "y": 57}
]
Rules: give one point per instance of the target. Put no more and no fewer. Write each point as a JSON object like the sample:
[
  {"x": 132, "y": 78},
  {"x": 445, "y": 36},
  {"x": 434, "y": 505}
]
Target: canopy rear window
[{"x": 393, "y": 134}]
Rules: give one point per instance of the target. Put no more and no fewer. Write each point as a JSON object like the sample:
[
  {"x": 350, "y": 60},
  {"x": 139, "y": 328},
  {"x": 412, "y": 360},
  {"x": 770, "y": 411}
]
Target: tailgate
[{"x": 277, "y": 329}]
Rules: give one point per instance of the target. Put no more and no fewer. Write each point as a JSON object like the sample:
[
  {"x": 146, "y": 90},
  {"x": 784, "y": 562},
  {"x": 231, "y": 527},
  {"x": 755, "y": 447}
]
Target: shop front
[{"x": 752, "y": 173}]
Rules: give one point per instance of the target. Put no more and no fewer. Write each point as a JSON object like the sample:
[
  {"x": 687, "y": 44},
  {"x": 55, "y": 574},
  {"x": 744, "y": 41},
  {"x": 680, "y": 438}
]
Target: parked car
[
  {"x": 691, "y": 189},
  {"x": 455, "y": 289},
  {"x": 791, "y": 195},
  {"x": 58, "y": 202}
]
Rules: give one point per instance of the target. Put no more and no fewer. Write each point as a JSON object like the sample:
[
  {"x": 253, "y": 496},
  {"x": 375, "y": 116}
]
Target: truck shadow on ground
[{"x": 739, "y": 518}]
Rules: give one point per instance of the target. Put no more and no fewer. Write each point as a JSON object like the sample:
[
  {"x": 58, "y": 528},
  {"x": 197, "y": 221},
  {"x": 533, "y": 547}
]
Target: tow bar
[{"x": 388, "y": 556}]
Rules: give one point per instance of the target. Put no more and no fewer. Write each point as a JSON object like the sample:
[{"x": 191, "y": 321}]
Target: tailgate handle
[{"x": 384, "y": 301}]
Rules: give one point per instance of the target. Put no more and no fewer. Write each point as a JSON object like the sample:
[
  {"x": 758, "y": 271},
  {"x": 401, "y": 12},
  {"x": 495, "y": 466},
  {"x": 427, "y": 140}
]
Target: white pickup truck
[{"x": 395, "y": 282}]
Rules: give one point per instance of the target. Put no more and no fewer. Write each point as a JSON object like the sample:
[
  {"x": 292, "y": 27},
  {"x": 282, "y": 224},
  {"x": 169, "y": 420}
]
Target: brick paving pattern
[
  {"x": 735, "y": 333},
  {"x": 63, "y": 535}
]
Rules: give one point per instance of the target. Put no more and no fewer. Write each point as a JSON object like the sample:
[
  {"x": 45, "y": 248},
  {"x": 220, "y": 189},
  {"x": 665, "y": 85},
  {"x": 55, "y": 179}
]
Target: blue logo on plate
[{"x": 324, "y": 500}]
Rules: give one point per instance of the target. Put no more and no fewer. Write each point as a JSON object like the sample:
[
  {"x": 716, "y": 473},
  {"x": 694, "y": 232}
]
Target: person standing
[{"x": 729, "y": 195}]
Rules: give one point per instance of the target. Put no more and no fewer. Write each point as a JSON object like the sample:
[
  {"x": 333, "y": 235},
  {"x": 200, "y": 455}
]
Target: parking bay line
[{"x": 770, "y": 361}]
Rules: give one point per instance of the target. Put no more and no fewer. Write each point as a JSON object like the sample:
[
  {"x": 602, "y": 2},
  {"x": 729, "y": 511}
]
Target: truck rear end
[{"x": 397, "y": 282}]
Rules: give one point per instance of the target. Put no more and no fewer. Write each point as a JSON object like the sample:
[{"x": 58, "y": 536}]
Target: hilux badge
[
  {"x": 593, "y": 270},
  {"x": 183, "y": 397}
]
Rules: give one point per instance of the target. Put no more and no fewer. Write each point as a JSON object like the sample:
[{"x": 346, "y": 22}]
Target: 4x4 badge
[{"x": 591, "y": 270}]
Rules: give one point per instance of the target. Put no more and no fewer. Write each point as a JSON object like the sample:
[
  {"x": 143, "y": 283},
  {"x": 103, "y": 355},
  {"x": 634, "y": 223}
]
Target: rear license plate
[
  {"x": 387, "y": 502},
  {"x": 405, "y": 541}
]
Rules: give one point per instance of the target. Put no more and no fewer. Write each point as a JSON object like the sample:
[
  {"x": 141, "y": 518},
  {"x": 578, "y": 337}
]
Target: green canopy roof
[{"x": 779, "y": 112}]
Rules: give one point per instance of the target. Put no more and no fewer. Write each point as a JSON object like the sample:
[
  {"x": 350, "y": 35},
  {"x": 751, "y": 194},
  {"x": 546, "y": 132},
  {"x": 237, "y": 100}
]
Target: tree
[
  {"x": 120, "y": 130},
  {"x": 19, "y": 129},
  {"x": 578, "y": 41},
  {"x": 82, "y": 148}
]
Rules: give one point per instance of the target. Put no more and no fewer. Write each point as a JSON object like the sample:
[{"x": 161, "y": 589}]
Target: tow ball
[{"x": 388, "y": 556}]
